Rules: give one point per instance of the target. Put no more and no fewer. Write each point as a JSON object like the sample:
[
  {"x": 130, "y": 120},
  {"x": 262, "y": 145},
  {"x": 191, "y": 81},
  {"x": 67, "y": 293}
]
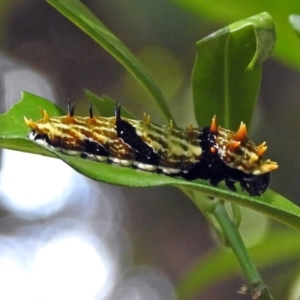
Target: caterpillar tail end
[{"x": 30, "y": 123}]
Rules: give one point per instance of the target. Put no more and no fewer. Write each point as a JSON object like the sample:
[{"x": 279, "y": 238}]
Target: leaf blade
[
  {"x": 106, "y": 105},
  {"x": 82, "y": 17},
  {"x": 227, "y": 72},
  {"x": 225, "y": 12}
]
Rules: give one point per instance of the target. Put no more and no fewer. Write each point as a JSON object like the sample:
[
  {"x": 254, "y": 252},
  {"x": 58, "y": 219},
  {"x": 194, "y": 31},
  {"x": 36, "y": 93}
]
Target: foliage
[{"x": 227, "y": 11}]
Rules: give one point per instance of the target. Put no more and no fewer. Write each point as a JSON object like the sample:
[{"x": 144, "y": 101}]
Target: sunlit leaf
[{"x": 295, "y": 22}]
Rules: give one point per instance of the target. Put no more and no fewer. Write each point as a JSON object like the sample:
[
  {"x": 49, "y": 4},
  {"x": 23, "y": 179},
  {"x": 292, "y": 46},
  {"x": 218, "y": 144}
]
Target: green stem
[
  {"x": 236, "y": 214},
  {"x": 235, "y": 241}
]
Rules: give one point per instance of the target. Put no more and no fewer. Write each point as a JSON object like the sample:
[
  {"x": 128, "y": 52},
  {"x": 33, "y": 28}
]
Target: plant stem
[
  {"x": 235, "y": 241},
  {"x": 236, "y": 214}
]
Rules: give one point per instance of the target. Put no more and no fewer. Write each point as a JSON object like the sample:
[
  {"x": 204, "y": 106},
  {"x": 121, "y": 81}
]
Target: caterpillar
[{"x": 211, "y": 153}]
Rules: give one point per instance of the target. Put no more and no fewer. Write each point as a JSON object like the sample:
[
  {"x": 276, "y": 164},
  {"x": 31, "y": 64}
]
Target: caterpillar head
[
  {"x": 256, "y": 185},
  {"x": 238, "y": 152}
]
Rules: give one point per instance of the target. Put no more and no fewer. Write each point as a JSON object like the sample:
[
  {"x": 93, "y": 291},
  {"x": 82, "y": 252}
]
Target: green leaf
[
  {"x": 227, "y": 71},
  {"x": 106, "y": 105},
  {"x": 277, "y": 247},
  {"x": 13, "y": 132},
  {"x": 227, "y": 11},
  {"x": 82, "y": 17}
]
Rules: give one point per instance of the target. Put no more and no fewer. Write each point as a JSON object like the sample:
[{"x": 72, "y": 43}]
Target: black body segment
[
  {"x": 94, "y": 148},
  {"x": 143, "y": 153}
]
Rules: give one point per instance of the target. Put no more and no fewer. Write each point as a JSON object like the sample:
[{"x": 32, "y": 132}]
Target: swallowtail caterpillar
[{"x": 211, "y": 153}]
